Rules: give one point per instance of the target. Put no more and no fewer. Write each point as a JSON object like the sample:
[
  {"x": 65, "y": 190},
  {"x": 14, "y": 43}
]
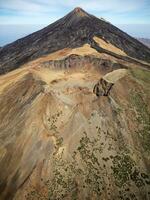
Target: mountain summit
[
  {"x": 74, "y": 30},
  {"x": 80, "y": 12},
  {"x": 74, "y": 17}
]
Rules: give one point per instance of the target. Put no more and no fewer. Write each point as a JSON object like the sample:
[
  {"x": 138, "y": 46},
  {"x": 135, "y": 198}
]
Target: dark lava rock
[{"x": 102, "y": 88}]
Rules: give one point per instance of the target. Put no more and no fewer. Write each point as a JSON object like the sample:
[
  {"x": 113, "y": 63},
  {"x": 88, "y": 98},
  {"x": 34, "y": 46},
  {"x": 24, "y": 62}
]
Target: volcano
[
  {"x": 75, "y": 113},
  {"x": 72, "y": 31}
]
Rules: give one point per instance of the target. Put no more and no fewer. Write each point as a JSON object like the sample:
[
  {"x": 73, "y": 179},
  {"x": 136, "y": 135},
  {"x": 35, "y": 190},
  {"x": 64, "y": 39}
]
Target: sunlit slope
[{"x": 59, "y": 141}]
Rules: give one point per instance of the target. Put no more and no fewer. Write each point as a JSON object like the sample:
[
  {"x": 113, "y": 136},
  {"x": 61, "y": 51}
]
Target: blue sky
[
  {"x": 44, "y": 12},
  {"x": 47, "y": 11}
]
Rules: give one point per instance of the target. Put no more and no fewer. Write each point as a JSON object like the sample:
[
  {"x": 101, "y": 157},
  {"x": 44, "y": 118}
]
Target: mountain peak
[
  {"x": 80, "y": 12},
  {"x": 78, "y": 9}
]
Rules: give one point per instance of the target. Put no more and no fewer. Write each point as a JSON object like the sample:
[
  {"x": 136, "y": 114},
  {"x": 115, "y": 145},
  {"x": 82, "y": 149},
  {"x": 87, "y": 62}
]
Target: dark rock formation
[
  {"x": 102, "y": 88},
  {"x": 73, "y": 30},
  {"x": 105, "y": 84}
]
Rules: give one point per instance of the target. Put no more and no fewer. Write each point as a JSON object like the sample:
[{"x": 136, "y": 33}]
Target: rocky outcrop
[
  {"x": 105, "y": 84},
  {"x": 102, "y": 88}
]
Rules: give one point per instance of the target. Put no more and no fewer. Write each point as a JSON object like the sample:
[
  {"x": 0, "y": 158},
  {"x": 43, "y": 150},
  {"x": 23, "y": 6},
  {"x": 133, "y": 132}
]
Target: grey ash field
[{"x": 75, "y": 113}]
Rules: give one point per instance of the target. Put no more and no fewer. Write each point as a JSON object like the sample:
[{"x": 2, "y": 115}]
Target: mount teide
[
  {"x": 73, "y": 30},
  {"x": 75, "y": 113}
]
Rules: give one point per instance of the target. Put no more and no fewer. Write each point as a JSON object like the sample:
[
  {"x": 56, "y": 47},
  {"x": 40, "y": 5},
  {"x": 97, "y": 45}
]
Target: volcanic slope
[{"x": 72, "y": 31}]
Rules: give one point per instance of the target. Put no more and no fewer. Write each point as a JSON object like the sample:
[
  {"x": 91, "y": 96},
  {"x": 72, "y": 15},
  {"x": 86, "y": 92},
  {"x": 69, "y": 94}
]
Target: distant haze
[
  {"x": 136, "y": 30},
  {"x": 10, "y": 33}
]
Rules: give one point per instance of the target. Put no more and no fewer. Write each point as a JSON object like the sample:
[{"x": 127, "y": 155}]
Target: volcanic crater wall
[{"x": 76, "y": 61}]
